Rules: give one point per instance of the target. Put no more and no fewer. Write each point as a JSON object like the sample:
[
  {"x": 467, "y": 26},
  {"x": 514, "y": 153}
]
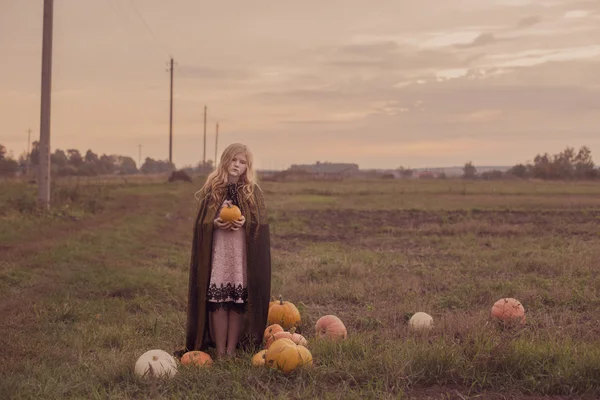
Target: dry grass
[{"x": 82, "y": 298}]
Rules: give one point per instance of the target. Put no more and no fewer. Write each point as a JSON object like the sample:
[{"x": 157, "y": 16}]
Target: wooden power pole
[
  {"x": 139, "y": 156},
  {"x": 204, "y": 159},
  {"x": 216, "y": 145},
  {"x": 44, "y": 148},
  {"x": 28, "y": 161},
  {"x": 171, "y": 116}
]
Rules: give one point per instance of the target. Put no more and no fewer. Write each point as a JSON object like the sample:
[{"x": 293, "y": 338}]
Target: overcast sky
[{"x": 379, "y": 83}]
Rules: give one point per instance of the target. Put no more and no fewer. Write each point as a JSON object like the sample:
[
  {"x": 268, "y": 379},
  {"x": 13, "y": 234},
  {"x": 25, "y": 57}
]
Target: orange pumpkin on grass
[
  {"x": 287, "y": 356},
  {"x": 198, "y": 358},
  {"x": 258, "y": 360},
  {"x": 283, "y": 313},
  {"x": 330, "y": 327},
  {"x": 271, "y": 330},
  {"x": 509, "y": 310}
]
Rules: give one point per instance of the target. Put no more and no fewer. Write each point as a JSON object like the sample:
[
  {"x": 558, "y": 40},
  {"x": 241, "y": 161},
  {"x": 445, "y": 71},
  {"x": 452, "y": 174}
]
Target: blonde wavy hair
[{"x": 216, "y": 182}]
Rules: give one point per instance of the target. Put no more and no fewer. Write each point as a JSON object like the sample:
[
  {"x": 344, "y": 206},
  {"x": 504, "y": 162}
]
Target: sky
[{"x": 380, "y": 83}]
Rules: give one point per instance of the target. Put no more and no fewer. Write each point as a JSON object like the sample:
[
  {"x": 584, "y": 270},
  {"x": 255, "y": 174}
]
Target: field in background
[{"x": 88, "y": 288}]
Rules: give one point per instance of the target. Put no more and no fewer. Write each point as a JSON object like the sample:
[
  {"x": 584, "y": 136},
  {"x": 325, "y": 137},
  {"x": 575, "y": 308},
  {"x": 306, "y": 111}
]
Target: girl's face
[{"x": 238, "y": 166}]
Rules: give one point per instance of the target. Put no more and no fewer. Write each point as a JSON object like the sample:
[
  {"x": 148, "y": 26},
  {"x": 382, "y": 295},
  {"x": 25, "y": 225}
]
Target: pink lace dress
[{"x": 228, "y": 286}]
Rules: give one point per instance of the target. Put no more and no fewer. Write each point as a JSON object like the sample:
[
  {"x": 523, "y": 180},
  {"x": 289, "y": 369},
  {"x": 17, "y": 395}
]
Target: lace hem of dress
[
  {"x": 239, "y": 308},
  {"x": 229, "y": 292}
]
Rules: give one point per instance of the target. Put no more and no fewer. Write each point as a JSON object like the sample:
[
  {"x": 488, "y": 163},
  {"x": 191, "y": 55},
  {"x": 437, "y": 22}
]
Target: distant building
[{"x": 327, "y": 169}]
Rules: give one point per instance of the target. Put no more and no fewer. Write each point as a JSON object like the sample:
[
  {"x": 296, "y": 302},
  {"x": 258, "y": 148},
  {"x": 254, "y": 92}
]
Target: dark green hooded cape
[{"x": 258, "y": 255}]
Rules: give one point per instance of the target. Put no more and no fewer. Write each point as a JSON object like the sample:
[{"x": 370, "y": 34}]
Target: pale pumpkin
[
  {"x": 287, "y": 356},
  {"x": 330, "y": 327},
  {"x": 258, "y": 360},
  {"x": 197, "y": 358},
  {"x": 294, "y": 337},
  {"x": 508, "y": 310},
  {"x": 230, "y": 213},
  {"x": 156, "y": 363},
  {"x": 271, "y": 330},
  {"x": 420, "y": 321},
  {"x": 283, "y": 313}
]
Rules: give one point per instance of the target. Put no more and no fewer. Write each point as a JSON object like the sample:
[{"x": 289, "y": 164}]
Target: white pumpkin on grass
[
  {"x": 156, "y": 363},
  {"x": 420, "y": 321}
]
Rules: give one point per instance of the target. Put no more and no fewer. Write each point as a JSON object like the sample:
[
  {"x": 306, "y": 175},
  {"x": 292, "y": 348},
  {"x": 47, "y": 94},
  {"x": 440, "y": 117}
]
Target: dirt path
[
  {"x": 17, "y": 301},
  {"x": 47, "y": 236}
]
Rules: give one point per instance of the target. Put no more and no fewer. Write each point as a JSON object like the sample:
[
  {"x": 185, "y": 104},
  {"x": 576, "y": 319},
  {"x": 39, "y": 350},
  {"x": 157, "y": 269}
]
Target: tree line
[
  {"x": 565, "y": 165},
  {"x": 71, "y": 162}
]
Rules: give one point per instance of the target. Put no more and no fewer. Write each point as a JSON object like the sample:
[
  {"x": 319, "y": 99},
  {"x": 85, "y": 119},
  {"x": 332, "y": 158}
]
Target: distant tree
[
  {"x": 8, "y": 165},
  {"x": 492, "y": 175},
  {"x": 152, "y": 166},
  {"x": 519, "y": 171},
  {"x": 125, "y": 165},
  {"x": 584, "y": 166},
  {"x": 59, "y": 158},
  {"x": 35, "y": 153},
  {"x": 542, "y": 167},
  {"x": 405, "y": 172},
  {"x": 75, "y": 158},
  {"x": 562, "y": 166},
  {"x": 105, "y": 165},
  {"x": 91, "y": 157},
  {"x": 469, "y": 171},
  {"x": 567, "y": 165},
  {"x": 204, "y": 168}
]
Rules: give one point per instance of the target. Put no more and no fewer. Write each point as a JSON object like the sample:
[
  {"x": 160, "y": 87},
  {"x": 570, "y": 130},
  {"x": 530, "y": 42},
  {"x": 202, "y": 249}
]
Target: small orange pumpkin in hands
[
  {"x": 230, "y": 213},
  {"x": 283, "y": 313},
  {"x": 198, "y": 358},
  {"x": 330, "y": 327}
]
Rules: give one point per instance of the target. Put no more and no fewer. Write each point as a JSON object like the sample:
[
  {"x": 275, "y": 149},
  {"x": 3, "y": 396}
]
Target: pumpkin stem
[
  {"x": 293, "y": 330},
  {"x": 280, "y": 299}
]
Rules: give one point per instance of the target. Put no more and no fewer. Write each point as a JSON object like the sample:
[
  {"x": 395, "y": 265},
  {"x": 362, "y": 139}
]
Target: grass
[{"x": 84, "y": 293}]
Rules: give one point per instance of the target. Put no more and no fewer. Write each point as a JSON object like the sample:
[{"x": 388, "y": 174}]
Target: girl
[{"x": 230, "y": 269}]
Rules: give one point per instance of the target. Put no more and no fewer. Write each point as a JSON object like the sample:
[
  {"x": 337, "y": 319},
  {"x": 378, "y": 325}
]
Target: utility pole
[
  {"x": 28, "y": 161},
  {"x": 140, "y": 156},
  {"x": 216, "y": 145},
  {"x": 44, "y": 149},
  {"x": 171, "y": 117},
  {"x": 204, "y": 159}
]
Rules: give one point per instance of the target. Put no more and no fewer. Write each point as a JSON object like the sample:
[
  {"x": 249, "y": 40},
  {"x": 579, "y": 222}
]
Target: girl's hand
[
  {"x": 235, "y": 225},
  {"x": 219, "y": 223}
]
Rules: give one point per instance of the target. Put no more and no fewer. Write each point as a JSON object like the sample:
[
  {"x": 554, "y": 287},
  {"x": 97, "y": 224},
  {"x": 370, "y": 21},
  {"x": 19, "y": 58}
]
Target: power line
[
  {"x": 118, "y": 9},
  {"x": 148, "y": 28}
]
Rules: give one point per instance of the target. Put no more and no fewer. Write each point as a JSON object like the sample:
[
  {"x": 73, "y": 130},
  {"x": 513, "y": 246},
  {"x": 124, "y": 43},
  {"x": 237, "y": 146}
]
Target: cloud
[
  {"x": 444, "y": 39},
  {"x": 481, "y": 40},
  {"x": 577, "y": 14},
  {"x": 202, "y": 72},
  {"x": 375, "y": 49},
  {"x": 539, "y": 56},
  {"x": 390, "y": 56},
  {"x": 528, "y": 22}
]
